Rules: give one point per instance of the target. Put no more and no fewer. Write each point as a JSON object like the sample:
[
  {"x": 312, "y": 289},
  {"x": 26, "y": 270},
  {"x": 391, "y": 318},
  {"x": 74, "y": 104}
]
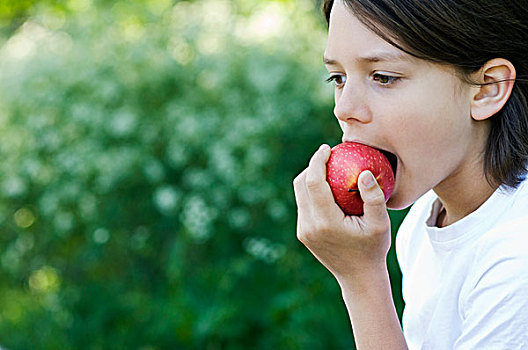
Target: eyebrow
[{"x": 373, "y": 58}]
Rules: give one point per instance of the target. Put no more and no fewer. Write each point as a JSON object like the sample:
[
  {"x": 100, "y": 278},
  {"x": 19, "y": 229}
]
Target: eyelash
[
  {"x": 333, "y": 78},
  {"x": 390, "y": 79},
  {"x": 377, "y": 77}
]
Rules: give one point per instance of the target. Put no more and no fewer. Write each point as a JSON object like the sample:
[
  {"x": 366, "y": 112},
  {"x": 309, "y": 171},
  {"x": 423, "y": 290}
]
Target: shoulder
[
  {"x": 499, "y": 256},
  {"x": 509, "y": 235},
  {"x": 505, "y": 242},
  {"x": 494, "y": 298}
]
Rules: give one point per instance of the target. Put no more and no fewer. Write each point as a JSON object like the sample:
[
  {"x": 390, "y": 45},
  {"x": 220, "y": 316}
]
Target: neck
[{"x": 463, "y": 194}]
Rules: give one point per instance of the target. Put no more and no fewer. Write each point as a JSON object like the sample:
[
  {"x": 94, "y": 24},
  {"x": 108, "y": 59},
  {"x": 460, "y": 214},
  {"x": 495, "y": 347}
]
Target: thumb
[{"x": 374, "y": 207}]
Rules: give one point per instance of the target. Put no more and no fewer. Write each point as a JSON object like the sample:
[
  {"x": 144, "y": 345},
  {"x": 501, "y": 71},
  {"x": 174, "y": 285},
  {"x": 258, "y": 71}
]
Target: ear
[{"x": 495, "y": 81}]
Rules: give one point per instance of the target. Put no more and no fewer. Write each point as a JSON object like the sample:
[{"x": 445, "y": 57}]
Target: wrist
[
  {"x": 364, "y": 280},
  {"x": 368, "y": 298}
]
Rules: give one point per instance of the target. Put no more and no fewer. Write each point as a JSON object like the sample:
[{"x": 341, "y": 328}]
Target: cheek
[
  {"x": 342, "y": 125},
  {"x": 429, "y": 148},
  {"x": 427, "y": 122},
  {"x": 428, "y": 138}
]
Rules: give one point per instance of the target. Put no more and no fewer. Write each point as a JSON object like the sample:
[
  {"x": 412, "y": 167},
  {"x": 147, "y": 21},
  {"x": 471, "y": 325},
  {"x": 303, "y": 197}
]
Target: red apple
[{"x": 346, "y": 162}]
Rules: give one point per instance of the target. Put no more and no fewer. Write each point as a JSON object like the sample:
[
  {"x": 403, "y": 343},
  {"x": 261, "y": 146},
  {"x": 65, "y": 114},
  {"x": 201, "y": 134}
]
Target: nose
[{"x": 351, "y": 106}]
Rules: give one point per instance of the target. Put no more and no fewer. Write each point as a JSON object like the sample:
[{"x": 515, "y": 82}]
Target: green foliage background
[{"x": 147, "y": 152}]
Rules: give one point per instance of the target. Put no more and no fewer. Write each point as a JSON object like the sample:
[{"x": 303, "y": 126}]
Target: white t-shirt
[{"x": 466, "y": 285}]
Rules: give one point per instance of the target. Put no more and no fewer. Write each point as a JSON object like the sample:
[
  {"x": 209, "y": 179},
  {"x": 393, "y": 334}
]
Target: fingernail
[
  {"x": 368, "y": 179},
  {"x": 324, "y": 146}
]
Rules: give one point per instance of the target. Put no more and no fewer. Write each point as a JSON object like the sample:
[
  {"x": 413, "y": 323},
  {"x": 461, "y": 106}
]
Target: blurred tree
[
  {"x": 13, "y": 13},
  {"x": 148, "y": 149}
]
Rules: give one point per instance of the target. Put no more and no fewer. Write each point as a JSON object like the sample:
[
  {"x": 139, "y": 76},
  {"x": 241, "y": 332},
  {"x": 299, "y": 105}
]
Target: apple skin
[{"x": 346, "y": 162}]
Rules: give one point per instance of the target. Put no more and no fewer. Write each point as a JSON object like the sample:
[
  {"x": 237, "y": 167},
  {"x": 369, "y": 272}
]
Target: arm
[
  {"x": 353, "y": 249},
  {"x": 371, "y": 311}
]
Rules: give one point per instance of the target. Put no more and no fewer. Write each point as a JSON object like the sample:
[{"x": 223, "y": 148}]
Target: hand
[{"x": 347, "y": 246}]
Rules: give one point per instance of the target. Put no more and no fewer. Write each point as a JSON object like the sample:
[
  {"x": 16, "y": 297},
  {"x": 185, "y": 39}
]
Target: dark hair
[{"x": 465, "y": 34}]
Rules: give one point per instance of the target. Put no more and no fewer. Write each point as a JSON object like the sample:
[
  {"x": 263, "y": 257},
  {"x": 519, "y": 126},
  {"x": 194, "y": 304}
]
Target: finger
[
  {"x": 374, "y": 207},
  {"x": 317, "y": 187},
  {"x": 304, "y": 207},
  {"x": 301, "y": 196}
]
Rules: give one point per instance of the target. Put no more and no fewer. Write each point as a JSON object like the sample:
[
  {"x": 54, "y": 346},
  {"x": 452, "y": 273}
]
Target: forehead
[
  {"x": 351, "y": 44},
  {"x": 348, "y": 36}
]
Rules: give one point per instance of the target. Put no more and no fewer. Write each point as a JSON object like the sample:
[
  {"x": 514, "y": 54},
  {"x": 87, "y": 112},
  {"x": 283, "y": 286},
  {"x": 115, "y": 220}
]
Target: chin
[{"x": 399, "y": 202}]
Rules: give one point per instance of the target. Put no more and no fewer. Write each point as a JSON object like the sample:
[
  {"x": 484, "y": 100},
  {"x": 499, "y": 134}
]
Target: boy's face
[{"x": 415, "y": 109}]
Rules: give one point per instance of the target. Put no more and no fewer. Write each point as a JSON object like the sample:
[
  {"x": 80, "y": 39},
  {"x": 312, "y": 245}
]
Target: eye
[
  {"x": 383, "y": 79},
  {"x": 338, "y": 79}
]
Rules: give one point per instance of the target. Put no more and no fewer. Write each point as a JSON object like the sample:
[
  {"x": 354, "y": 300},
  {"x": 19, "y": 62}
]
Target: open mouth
[
  {"x": 391, "y": 157},
  {"x": 393, "y": 160}
]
